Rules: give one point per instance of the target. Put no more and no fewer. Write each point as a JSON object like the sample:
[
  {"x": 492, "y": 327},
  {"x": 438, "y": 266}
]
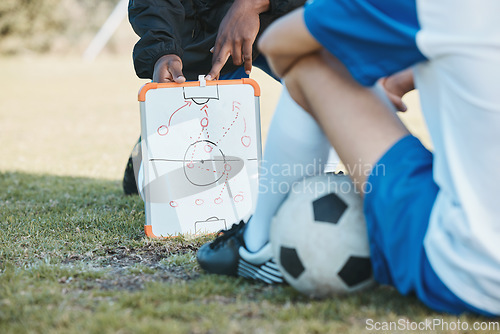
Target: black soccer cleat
[
  {"x": 129, "y": 182},
  {"x": 227, "y": 255}
]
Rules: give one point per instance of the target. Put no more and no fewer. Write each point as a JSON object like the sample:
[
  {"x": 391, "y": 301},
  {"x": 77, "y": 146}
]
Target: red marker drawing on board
[{"x": 188, "y": 104}]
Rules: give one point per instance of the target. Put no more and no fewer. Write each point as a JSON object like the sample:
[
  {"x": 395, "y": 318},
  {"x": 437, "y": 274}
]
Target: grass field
[{"x": 73, "y": 256}]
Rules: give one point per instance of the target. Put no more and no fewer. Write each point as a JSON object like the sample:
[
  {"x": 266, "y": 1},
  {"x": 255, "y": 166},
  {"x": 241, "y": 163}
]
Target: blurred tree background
[{"x": 56, "y": 26}]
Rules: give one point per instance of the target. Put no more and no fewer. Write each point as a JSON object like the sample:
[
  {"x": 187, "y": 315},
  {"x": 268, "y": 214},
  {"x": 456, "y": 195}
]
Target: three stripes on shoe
[{"x": 267, "y": 272}]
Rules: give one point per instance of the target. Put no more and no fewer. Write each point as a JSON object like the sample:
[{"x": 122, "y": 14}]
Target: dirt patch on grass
[
  {"x": 131, "y": 268},
  {"x": 122, "y": 279},
  {"x": 148, "y": 255}
]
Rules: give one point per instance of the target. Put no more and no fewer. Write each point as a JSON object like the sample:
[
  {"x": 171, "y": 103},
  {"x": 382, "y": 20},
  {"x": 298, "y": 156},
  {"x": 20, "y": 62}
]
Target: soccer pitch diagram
[{"x": 200, "y": 155}]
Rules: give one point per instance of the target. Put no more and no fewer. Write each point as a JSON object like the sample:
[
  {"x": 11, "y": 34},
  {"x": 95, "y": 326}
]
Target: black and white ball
[{"x": 319, "y": 237}]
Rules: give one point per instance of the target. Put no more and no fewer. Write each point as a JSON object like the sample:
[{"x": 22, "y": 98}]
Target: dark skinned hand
[
  {"x": 237, "y": 33},
  {"x": 168, "y": 69}
]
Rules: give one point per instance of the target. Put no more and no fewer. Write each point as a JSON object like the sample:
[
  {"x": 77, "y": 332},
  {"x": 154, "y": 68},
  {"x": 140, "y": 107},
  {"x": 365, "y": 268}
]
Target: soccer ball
[{"x": 319, "y": 237}]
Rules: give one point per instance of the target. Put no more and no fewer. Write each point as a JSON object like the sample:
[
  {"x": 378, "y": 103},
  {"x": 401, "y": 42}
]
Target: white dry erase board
[{"x": 201, "y": 149}]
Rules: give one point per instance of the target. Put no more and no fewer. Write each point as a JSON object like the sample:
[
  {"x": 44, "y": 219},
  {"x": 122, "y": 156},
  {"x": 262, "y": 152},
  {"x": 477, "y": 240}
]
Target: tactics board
[{"x": 201, "y": 149}]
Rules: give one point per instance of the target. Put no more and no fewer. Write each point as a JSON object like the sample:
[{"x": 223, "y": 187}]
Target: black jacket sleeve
[
  {"x": 282, "y": 7},
  {"x": 157, "y": 23}
]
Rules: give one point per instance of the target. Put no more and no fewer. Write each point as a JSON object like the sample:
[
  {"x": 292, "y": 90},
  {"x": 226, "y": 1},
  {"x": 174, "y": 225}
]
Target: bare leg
[{"x": 357, "y": 123}]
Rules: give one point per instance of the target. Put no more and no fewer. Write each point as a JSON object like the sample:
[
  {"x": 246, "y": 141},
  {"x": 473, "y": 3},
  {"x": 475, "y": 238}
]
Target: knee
[
  {"x": 294, "y": 86},
  {"x": 318, "y": 72},
  {"x": 300, "y": 76}
]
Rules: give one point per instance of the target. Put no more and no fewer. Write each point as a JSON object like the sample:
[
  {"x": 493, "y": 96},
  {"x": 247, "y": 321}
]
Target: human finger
[
  {"x": 236, "y": 53},
  {"x": 395, "y": 98},
  {"x": 219, "y": 60},
  {"x": 397, "y": 102},
  {"x": 175, "y": 69},
  {"x": 247, "y": 57},
  {"x": 162, "y": 74}
]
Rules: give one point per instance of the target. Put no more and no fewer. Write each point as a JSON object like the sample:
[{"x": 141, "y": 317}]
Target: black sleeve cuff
[{"x": 146, "y": 55}]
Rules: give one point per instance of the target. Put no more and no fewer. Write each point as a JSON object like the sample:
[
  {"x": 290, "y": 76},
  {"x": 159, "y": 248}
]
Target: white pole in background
[{"x": 107, "y": 30}]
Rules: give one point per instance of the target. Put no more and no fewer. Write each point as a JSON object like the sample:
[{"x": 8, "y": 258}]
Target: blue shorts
[
  {"x": 400, "y": 194},
  {"x": 373, "y": 39},
  {"x": 239, "y": 73}
]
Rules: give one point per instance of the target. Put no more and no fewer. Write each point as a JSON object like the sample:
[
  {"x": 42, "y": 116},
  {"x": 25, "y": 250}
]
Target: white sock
[{"x": 296, "y": 147}]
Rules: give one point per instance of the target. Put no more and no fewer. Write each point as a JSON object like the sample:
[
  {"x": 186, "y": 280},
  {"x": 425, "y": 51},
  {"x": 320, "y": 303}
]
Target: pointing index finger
[
  {"x": 220, "y": 58},
  {"x": 247, "y": 57}
]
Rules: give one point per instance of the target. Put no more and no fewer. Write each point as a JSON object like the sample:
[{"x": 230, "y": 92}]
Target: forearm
[
  {"x": 286, "y": 41},
  {"x": 259, "y": 6}
]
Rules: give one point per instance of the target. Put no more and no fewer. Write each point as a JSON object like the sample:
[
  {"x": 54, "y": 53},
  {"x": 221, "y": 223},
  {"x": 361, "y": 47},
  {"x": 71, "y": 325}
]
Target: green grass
[
  {"x": 74, "y": 259},
  {"x": 73, "y": 255}
]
